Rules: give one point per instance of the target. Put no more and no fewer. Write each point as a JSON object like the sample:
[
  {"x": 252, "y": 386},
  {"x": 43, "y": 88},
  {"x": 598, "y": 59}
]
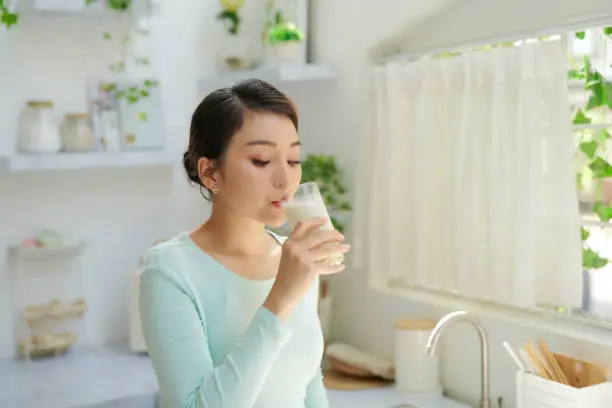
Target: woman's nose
[{"x": 281, "y": 178}]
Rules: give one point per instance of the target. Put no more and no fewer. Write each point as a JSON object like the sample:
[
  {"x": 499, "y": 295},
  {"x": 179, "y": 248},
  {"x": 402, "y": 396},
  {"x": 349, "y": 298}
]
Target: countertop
[
  {"x": 387, "y": 398},
  {"x": 110, "y": 378}
]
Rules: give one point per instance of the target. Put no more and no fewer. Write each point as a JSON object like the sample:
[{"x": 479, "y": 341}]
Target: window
[
  {"x": 474, "y": 137},
  {"x": 590, "y": 82}
]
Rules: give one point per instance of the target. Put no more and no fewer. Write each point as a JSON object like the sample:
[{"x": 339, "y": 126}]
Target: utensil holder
[{"x": 533, "y": 391}]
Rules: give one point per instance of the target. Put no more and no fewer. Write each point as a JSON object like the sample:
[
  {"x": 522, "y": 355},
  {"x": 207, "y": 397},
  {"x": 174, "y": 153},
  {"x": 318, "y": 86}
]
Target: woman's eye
[
  {"x": 294, "y": 162},
  {"x": 260, "y": 163}
]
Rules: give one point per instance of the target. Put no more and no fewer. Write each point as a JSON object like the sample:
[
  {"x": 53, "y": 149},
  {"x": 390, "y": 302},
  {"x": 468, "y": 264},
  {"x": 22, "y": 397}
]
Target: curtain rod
[{"x": 573, "y": 26}]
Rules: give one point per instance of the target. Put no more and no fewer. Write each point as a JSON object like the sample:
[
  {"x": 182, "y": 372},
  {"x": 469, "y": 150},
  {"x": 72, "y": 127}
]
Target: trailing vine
[
  {"x": 593, "y": 145},
  {"x": 230, "y": 14},
  {"x": 132, "y": 94},
  {"x": 7, "y": 18}
]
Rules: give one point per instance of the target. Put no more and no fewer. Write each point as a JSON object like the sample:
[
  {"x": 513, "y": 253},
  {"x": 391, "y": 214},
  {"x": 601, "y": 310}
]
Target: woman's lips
[{"x": 279, "y": 203}]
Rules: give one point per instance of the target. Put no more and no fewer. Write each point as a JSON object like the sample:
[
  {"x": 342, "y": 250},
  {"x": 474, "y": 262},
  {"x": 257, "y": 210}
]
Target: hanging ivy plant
[
  {"x": 132, "y": 94},
  {"x": 593, "y": 145},
  {"x": 7, "y": 18},
  {"x": 117, "y": 5},
  {"x": 230, "y": 15}
]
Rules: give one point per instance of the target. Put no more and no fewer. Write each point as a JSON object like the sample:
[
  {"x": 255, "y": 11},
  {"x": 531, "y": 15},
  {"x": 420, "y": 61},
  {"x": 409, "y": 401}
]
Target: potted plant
[
  {"x": 323, "y": 170},
  {"x": 234, "y": 51},
  {"x": 284, "y": 40}
]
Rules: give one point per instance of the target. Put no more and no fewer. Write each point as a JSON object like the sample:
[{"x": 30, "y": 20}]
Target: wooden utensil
[
  {"x": 582, "y": 373},
  {"x": 537, "y": 360},
  {"x": 552, "y": 362}
]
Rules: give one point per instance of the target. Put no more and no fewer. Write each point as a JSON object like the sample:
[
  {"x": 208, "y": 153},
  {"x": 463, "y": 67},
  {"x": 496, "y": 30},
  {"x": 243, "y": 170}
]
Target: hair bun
[{"x": 191, "y": 168}]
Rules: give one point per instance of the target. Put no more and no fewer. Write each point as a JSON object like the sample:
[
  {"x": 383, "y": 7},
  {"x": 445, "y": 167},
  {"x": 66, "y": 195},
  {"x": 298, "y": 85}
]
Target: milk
[
  {"x": 298, "y": 210},
  {"x": 301, "y": 210}
]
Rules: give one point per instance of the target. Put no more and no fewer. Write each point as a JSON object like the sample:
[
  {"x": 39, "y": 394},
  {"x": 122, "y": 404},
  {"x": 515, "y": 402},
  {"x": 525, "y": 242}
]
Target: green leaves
[
  {"x": 600, "y": 96},
  {"x": 589, "y": 148},
  {"x": 592, "y": 260},
  {"x": 7, "y": 17},
  {"x": 324, "y": 171},
  {"x": 232, "y": 18},
  {"x": 584, "y": 233},
  {"x": 132, "y": 94},
  {"x": 284, "y": 32},
  {"x": 601, "y": 168},
  {"x": 119, "y": 5},
  {"x": 580, "y": 118},
  {"x": 603, "y": 211}
]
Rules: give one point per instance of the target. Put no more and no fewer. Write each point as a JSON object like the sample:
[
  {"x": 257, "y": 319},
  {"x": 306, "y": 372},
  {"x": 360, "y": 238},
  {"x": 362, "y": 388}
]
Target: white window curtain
[{"x": 466, "y": 181}]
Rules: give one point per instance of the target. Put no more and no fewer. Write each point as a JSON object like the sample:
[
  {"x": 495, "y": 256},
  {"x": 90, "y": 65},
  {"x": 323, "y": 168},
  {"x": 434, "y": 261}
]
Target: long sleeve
[
  {"x": 316, "y": 395},
  {"x": 176, "y": 337}
]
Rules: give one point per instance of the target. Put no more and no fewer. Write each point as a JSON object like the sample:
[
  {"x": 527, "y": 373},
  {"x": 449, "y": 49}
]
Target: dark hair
[{"x": 220, "y": 116}]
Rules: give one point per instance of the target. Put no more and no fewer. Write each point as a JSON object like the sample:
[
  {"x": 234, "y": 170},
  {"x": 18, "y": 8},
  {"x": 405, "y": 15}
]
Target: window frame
[{"x": 565, "y": 323}]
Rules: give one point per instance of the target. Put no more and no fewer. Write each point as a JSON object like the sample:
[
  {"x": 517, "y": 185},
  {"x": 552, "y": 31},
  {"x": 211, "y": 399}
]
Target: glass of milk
[{"x": 307, "y": 203}]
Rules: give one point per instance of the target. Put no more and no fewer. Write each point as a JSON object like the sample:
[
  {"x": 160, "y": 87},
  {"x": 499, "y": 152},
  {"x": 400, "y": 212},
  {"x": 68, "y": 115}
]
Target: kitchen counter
[
  {"x": 114, "y": 378},
  {"x": 387, "y": 397}
]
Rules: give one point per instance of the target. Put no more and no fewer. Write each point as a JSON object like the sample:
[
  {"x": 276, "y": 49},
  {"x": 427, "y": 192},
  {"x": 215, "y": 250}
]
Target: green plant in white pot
[{"x": 284, "y": 40}]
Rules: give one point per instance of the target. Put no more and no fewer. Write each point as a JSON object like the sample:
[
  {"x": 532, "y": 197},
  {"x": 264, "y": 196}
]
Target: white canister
[
  {"x": 39, "y": 129},
  {"x": 77, "y": 134},
  {"x": 415, "y": 371}
]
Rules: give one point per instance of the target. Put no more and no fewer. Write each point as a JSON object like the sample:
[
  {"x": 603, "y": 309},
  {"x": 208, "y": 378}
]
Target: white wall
[
  {"x": 364, "y": 318},
  {"x": 119, "y": 212}
]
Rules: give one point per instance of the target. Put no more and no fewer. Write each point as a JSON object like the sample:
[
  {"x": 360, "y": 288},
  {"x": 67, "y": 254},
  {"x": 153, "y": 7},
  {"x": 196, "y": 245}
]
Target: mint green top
[{"x": 213, "y": 345}]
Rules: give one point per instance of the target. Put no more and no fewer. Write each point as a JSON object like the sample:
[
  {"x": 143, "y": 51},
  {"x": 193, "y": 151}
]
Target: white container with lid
[
  {"x": 77, "y": 134},
  {"x": 38, "y": 129},
  {"x": 415, "y": 371}
]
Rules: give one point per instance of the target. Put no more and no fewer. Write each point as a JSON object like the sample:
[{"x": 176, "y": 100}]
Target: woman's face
[{"x": 261, "y": 167}]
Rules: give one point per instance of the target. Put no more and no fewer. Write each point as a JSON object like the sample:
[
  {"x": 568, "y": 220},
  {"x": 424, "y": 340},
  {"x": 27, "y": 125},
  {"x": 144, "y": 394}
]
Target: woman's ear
[{"x": 208, "y": 173}]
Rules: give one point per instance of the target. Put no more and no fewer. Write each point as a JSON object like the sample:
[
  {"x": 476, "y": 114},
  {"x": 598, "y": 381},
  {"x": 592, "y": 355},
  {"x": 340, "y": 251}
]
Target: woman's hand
[{"x": 306, "y": 254}]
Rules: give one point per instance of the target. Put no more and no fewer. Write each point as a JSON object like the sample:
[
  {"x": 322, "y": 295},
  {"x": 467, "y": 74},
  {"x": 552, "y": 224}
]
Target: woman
[{"x": 229, "y": 310}]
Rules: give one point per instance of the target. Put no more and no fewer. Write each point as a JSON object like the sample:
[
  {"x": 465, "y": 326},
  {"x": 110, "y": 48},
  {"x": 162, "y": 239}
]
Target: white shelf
[
  {"x": 24, "y": 251},
  {"x": 75, "y": 161},
  {"x": 276, "y": 76},
  {"x": 79, "y": 8}
]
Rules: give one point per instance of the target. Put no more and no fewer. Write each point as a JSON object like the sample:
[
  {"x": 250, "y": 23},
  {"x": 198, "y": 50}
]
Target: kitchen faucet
[{"x": 446, "y": 321}]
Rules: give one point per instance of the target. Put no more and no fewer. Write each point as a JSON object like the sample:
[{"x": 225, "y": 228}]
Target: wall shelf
[
  {"x": 40, "y": 317},
  {"x": 275, "y": 76},
  {"x": 29, "y": 252},
  {"x": 79, "y": 8},
  {"x": 75, "y": 161}
]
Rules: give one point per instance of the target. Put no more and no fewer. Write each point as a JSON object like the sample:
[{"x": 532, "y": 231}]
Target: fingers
[
  {"x": 317, "y": 237},
  {"x": 329, "y": 250},
  {"x": 303, "y": 227},
  {"x": 326, "y": 269}
]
